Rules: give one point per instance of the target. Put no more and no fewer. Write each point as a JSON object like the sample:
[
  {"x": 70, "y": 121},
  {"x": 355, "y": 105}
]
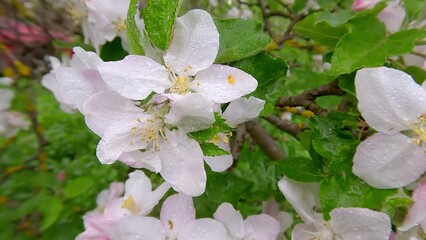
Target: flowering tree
[{"x": 179, "y": 119}]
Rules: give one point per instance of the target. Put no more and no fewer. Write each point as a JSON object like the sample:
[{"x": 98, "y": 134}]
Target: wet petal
[
  {"x": 223, "y": 162},
  {"x": 204, "y": 228},
  {"x": 137, "y": 159},
  {"x": 177, "y": 211},
  {"x": 417, "y": 213},
  {"x": 135, "y": 77},
  {"x": 223, "y": 84},
  {"x": 84, "y": 60},
  {"x": 389, "y": 99},
  {"x": 231, "y": 219},
  {"x": 6, "y": 97},
  {"x": 191, "y": 113},
  {"x": 360, "y": 223},
  {"x": 182, "y": 163},
  {"x": 261, "y": 227},
  {"x": 49, "y": 81},
  {"x": 195, "y": 43},
  {"x": 242, "y": 110},
  {"x": 309, "y": 231},
  {"x": 144, "y": 228},
  {"x": 389, "y": 161}
]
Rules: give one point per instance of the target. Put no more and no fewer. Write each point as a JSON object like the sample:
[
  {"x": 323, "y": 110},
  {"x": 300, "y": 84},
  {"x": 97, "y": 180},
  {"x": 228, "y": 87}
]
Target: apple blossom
[
  {"x": 6, "y": 97},
  {"x": 188, "y": 66},
  {"x": 345, "y": 223},
  {"x": 394, "y": 105},
  {"x": 271, "y": 208},
  {"x": 417, "y": 213}
]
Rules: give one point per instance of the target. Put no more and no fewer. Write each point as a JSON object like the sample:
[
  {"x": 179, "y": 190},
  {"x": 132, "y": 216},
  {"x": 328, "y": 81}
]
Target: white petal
[
  {"x": 138, "y": 185},
  {"x": 7, "y": 81},
  {"x": 223, "y": 84},
  {"x": 79, "y": 84},
  {"x": 84, "y": 60},
  {"x": 302, "y": 196},
  {"x": 105, "y": 108},
  {"x": 135, "y": 77},
  {"x": 191, "y": 113},
  {"x": 205, "y": 229},
  {"x": 49, "y": 81},
  {"x": 177, "y": 211},
  {"x": 231, "y": 219},
  {"x": 389, "y": 161},
  {"x": 360, "y": 224},
  {"x": 310, "y": 231},
  {"x": 417, "y": 213},
  {"x": 389, "y": 99},
  {"x": 137, "y": 159},
  {"x": 223, "y": 162},
  {"x": 6, "y": 97},
  {"x": 242, "y": 110},
  {"x": 142, "y": 228},
  {"x": 195, "y": 43},
  {"x": 261, "y": 227},
  {"x": 182, "y": 163}
]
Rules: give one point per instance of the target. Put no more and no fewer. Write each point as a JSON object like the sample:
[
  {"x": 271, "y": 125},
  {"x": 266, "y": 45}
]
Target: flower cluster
[
  {"x": 122, "y": 213},
  {"x": 144, "y": 111}
]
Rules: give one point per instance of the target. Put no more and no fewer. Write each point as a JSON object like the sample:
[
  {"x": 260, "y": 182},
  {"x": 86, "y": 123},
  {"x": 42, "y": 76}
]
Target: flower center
[
  {"x": 147, "y": 131},
  {"x": 120, "y": 25},
  {"x": 325, "y": 233},
  {"x": 130, "y": 204},
  {"x": 180, "y": 83},
  {"x": 419, "y": 132},
  {"x": 76, "y": 14}
]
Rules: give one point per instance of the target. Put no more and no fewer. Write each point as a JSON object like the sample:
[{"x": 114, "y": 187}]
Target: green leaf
[
  {"x": 113, "y": 51},
  {"x": 347, "y": 83},
  {"x": 419, "y": 74},
  {"x": 240, "y": 39},
  {"x": 134, "y": 36},
  {"x": 350, "y": 192},
  {"x": 78, "y": 186},
  {"x": 360, "y": 48},
  {"x": 212, "y": 150},
  {"x": 219, "y": 126},
  {"x": 302, "y": 169},
  {"x": 270, "y": 73},
  {"x": 317, "y": 27},
  {"x": 403, "y": 41},
  {"x": 396, "y": 206},
  {"x": 51, "y": 209},
  {"x": 327, "y": 4},
  {"x": 159, "y": 17},
  {"x": 413, "y": 8}
]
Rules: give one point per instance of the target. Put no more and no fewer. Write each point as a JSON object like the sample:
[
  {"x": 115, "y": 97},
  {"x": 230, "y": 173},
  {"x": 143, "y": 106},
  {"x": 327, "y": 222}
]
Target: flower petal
[
  {"x": 310, "y": 231},
  {"x": 177, "y": 211},
  {"x": 389, "y": 99},
  {"x": 204, "y": 228},
  {"x": 242, "y": 110},
  {"x": 302, "y": 196},
  {"x": 360, "y": 223},
  {"x": 135, "y": 77},
  {"x": 84, "y": 60},
  {"x": 223, "y": 84},
  {"x": 191, "y": 113},
  {"x": 231, "y": 219},
  {"x": 6, "y": 97},
  {"x": 49, "y": 81},
  {"x": 182, "y": 163},
  {"x": 195, "y": 43},
  {"x": 137, "y": 159},
  {"x": 103, "y": 109},
  {"x": 261, "y": 227},
  {"x": 417, "y": 213},
  {"x": 223, "y": 162},
  {"x": 144, "y": 228},
  {"x": 389, "y": 161}
]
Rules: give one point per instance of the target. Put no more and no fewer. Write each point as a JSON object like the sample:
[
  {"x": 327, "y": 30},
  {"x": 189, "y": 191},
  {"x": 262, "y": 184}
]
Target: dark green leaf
[
  {"x": 113, "y": 51},
  {"x": 78, "y": 186},
  {"x": 301, "y": 169},
  {"x": 240, "y": 39},
  {"x": 159, "y": 17},
  {"x": 212, "y": 150},
  {"x": 134, "y": 36},
  {"x": 51, "y": 209},
  {"x": 419, "y": 74},
  {"x": 413, "y": 8},
  {"x": 403, "y": 41},
  {"x": 208, "y": 134}
]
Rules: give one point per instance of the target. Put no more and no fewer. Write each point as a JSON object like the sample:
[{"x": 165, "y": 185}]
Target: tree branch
[{"x": 284, "y": 125}]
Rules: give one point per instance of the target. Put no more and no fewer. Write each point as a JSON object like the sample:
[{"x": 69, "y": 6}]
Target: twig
[
  {"x": 284, "y": 125},
  {"x": 267, "y": 25},
  {"x": 265, "y": 141},
  {"x": 237, "y": 141}
]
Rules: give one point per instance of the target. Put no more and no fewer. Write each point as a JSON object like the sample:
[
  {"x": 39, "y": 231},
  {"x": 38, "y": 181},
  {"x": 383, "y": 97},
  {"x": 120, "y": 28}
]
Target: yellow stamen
[
  {"x": 231, "y": 80},
  {"x": 130, "y": 204}
]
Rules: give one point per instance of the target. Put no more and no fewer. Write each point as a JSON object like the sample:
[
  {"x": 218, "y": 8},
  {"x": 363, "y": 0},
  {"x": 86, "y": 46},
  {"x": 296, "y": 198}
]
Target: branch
[
  {"x": 307, "y": 98},
  {"x": 264, "y": 140},
  {"x": 267, "y": 25},
  {"x": 284, "y": 125},
  {"x": 237, "y": 141}
]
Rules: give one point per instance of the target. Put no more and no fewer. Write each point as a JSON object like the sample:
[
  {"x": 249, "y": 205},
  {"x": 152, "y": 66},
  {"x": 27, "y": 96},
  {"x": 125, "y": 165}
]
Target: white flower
[
  {"x": 393, "y": 104},
  {"x": 188, "y": 66},
  {"x": 6, "y": 97},
  {"x": 271, "y": 208},
  {"x": 242, "y": 110},
  {"x": 256, "y": 227},
  {"x": 417, "y": 213},
  {"x": 345, "y": 223}
]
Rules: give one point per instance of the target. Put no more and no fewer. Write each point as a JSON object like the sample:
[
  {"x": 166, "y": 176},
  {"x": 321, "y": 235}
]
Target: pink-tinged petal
[
  {"x": 360, "y": 224},
  {"x": 261, "y": 227},
  {"x": 271, "y": 208},
  {"x": 242, "y": 110},
  {"x": 195, "y": 43},
  {"x": 182, "y": 163},
  {"x": 417, "y": 213},
  {"x": 389, "y": 161},
  {"x": 310, "y": 231},
  {"x": 359, "y": 5},
  {"x": 84, "y": 60},
  {"x": 142, "y": 228},
  {"x": 137, "y": 159},
  {"x": 116, "y": 140},
  {"x": 105, "y": 108},
  {"x": 302, "y": 196},
  {"x": 231, "y": 219},
  {"x": 393, "y": 16},
  {"x": 177, "y": 212},
  {"x": 11, "y": 122},
  {"x": 219, "y": 163},
  {"x": 79, "y": 84},
  {"x": 191, "y": 113},
  {"x": 389, "y": 99},
  {"x": 223, "y": 84},
  {"x": 6, "y": 97},
  {"x": 49, "y": 81},
  {"x": 135, "y": 77},
  {"x": 204, "y": 228}
]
